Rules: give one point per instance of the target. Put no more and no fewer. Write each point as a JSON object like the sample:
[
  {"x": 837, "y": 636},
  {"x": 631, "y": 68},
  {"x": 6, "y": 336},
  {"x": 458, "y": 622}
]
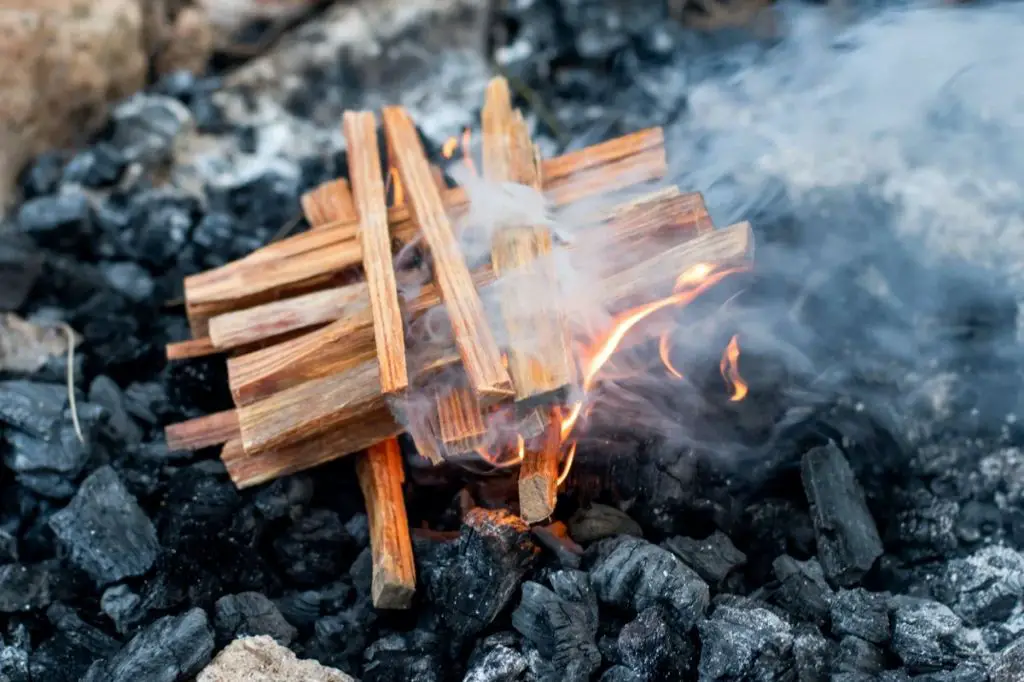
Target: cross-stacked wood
[{"x": 319, "y": 356}]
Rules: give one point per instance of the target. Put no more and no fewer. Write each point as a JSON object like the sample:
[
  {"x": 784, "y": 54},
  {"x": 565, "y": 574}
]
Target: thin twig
[{"x": 71, "y": 380}]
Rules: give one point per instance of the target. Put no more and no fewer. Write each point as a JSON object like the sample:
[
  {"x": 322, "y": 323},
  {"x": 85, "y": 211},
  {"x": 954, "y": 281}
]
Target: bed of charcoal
[{"x": 858, "y": 517}]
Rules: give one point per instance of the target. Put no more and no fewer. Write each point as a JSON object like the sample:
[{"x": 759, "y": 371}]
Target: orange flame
[
  {"x": 664, "y": 352},
  {"x": 729, "y": 367},
  {"x": 465, "y": 144},
  {"x": 449, "y": 147}
]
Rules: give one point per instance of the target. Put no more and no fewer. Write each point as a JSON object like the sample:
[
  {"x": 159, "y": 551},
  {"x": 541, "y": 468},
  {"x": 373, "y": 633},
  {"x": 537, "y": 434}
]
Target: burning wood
[{"x": 329, "y": 367}]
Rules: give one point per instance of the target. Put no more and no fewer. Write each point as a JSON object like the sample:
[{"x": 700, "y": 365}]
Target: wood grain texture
[
  {"x": 461, "y": 421},
  {"x": 328, "y": 204},
  {"x": 538, "y": 474},
  {"x": 480, "y": 354},
  {"x": 366, "y": 174},
  {"x": 381, "y": 475},
  {"x": 194, "y": 434}
]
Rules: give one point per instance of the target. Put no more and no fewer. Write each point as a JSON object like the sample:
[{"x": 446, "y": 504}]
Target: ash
[{"x": 857, "y": 517}]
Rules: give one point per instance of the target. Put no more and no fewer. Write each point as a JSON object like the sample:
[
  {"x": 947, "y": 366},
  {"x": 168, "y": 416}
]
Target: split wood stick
[
  {"x": 366, "y": 173},
  {"x": 257, "y": 375},
  {"x": 538, "y": 474},
  {"x": 480, "y": 355},
  {"x": 461, "y": 421},
  {"x": 329, "y": 204},
  {"x": 381, "y": 475},
  {"x": 202, "y": 432},
  {"x": 302, "y": 263},
  {"x": 352, "y": 401},
  {"x": 650, "y": 217},
  {"x": 537, "y": 342}
]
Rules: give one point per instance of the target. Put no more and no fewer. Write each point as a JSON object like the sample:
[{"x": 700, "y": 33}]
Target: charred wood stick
[
  {"x": 366, "y": 173},
  {"x": 477, "y": 346},
  {"x": 351, "y": 401},
  {"x": 329, "y": 204},
  {"x": 381, "y": 476},
  {"x": 538, "y": 474},
  {"x": 301, "y": 263},
  {"x": 340, "y": 344}
]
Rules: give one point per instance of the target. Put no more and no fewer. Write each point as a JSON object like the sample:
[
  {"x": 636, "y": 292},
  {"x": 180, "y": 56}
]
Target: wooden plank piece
[
  {"x": 461, "y": 421},
  {"x": 381, "y": 475},
  {"x": 538, "y": 474},
  {"x": 481, "y": 357},
  {"x": 366, "y": 174},
  {"x": 194, "y": 434},
  {"x": 329, "y": 204}
]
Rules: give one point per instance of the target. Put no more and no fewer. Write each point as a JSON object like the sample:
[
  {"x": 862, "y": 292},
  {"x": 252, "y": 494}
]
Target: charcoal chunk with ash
[
  {"x": 249, "y": 614},
  {"x": 926, "y": 635},
  {"x": 58, "y": 221},
  {"x": 68, "y": 654},
  {"x": 285, "y": 497},
  {"x": 654, "y": 651},
  {"x": 171, "y": 649},
  {"x": 599, "y": 521},
  {"x": 561, "y": 623},
  {"x": 122, "y": 607},
  {"x": 472, "y": 579},
  {"x": 48, "y": 467},
  {"x": 303, "y": 608},
  {"x": 985, "y": 587},
  {"x": 812, "y": 654},
  {"x": 925, "y": 527},
  {"x": 496, "y": 659},
  {"x": 401, "y": 657},
  {"x": 802, "y": 590},
  {"x": 848, "y": 540},
  {"x": 314, "y": 548},
  {"x": 632, "y": 573},
  {"x": 862, "y": 614},
  {"x": 24, "y": 587},
  {"x": 99, "y": 166},
  {"x": 1008, "y": 666},
  {"x": 105, "y": 393},
  {"x": 14, "y": 654},
  {"x": 745, "y": 644},
  {"x": 32, "y": 407},
  {"x": 713, "y": 558},
  {"x": 620, "y": 673},
  {"x": 146, "y": 126},
  {"x": 854, "y": 655},
  {"x": 104, "y": 531}
]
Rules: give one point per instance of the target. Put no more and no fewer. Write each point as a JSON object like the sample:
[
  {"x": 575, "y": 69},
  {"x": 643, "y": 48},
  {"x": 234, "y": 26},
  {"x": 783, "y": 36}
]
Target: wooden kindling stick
[
  {"x": 538, "y": 344},
  {"x": 381, "y": 475},
  {"x": 484, "y": 369},
  {"x": 329, "y": 204}
]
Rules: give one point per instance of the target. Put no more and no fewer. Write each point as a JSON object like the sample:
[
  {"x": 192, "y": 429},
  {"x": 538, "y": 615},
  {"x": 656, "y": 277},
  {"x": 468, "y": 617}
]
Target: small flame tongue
[{"x": 730, "y": 370}]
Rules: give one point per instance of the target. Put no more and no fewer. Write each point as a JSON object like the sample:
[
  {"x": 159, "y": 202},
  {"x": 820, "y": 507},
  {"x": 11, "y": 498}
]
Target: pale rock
[{"x": 261, "y": 659}]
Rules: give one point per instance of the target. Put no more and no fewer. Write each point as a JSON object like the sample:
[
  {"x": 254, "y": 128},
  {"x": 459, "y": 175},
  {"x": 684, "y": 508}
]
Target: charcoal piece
[
  {"x": 48, "y": 467},
  {"x": 848, "y": 541},
  {"x": 745, "y": 644},
  {"x": 98, "y": 166},
  {"x": 304, "y": 608},
  {"x": 171, "y": 649},
  {"x": 567, "y": 552},
  {"x": 926, "y": 529},
  {"x": 8, "y": 547},
  {"x": 985, "y": 587},
  {"x": 122, "y": 606},
  {"x": 1008, "y": 666},
  {"x": 654, "y": 651},
  {"x": 854, "y": 655},
  {"x": 42, "y": 176},
  {"x": 561, "y": 623},
  {"x": 496, "y": 659},
  {"x": 472, "y": 579},
  {"x": 160, "y": 222},
  {"x": 57, "y": 221},
  {"x": 68, "y": 654},
  {"x": 339, "y": 640},
  {"x": 213, "y": 239},
  {"x": 24, "y": 587},
  {"x": 713, "y": 558},
  {"x": 802, "y": 591},
  {"x": 313, "y": 549},
  {"x": 32, "y": 407},
  {"x": 148, "y": 402},
  {"x": 104, "y": 392},
  {"x": 400, "y": 657},
  {"x": 632, "y": 573},
  {"x": 812, "y": 654},
  {"x": 620, "y": 673},
  {"x": 80, "y": 634},
  {"x": 968, "y": 671},
  {"x": 20, "y": 266},
  {"x": 599, "y": 521},
  {"x": 145, "y": 127},
  {"x": 104, "y": 531},
  {"x": 130, "y": 280},
  {"x": 14, "y": 654},
  {"x": 249, "y": 614},
  {"x": 775, "y": 526},
  {"x": 927, "y": 635},
  {"x": 978, "y": 521},
  {"x": 862, "y": 614},
  {"x": 285, "y": 498},
  {"x": 358, "y": 527}
]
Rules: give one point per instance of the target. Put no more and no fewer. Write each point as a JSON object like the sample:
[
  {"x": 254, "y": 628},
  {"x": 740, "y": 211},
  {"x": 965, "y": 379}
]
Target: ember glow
[
  {"x": 730, "y": 371},
  {"x": 463, "y": 143}
]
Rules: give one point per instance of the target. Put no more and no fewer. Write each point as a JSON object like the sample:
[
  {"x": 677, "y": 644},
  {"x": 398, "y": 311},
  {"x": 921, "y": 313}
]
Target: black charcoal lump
[
  {"x": 24, "y": 587},
  {"x": 1008, "y": 666},
  {"x": 740, "y": 643},
  {"x": 474, "y": 578},
  {"x": 654, "y": 651},
  {"x": 249, "y": 614},
  {"x": 561, "y": 623},
  {"x": 31, "y": 407},
  {"x": 985, "y": 587},
  {"x": 146, "y": 127},
  {"x": 399, "y": 657},
  {"x": 171, "y": 649},
  {"x": 599, "y": 521},
  {"x": 713, "y": 558},
  {"x": 848, "y": 540},
  {"x": 104, "y": 531},
  {"x": 802, "y": 589},
  {"x": 862, "y": 614},
  {"x": 312, "y": 550},
  {"x": 926, "y": 635},
  {"x": 634, "y": 574},
  {"x": 496, "y": 659}
]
